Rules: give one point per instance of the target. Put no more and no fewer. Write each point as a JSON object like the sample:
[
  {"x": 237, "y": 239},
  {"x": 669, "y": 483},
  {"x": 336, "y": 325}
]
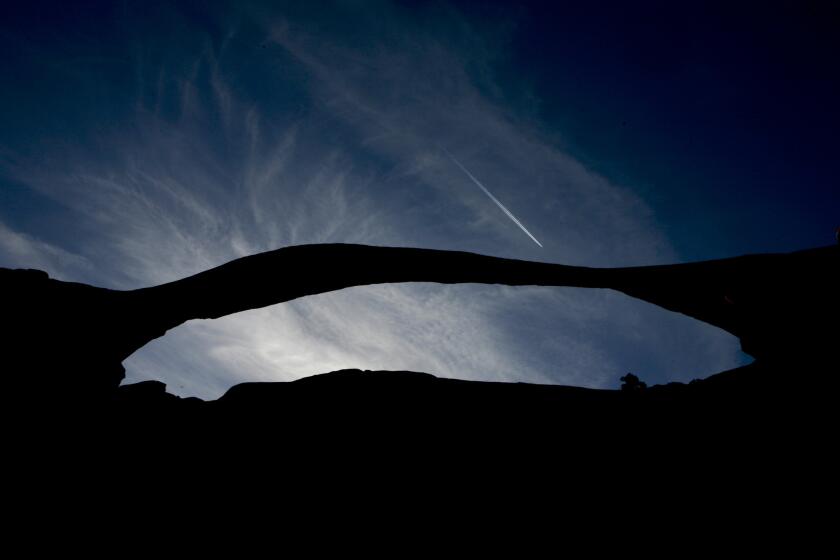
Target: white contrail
[{"x": 493, "y": 198}]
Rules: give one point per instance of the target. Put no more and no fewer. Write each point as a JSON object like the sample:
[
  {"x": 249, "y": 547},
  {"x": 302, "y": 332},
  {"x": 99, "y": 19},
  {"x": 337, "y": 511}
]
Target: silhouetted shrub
[{"x": 632, "y": 383}]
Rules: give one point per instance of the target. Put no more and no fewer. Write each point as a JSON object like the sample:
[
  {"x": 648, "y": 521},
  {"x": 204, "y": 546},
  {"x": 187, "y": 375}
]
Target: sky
[{"x": 142, "y": 142}]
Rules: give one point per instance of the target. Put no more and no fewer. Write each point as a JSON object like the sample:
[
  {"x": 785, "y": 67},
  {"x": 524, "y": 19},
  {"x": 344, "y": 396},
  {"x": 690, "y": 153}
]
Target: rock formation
[{"x": 64, "y": 344}]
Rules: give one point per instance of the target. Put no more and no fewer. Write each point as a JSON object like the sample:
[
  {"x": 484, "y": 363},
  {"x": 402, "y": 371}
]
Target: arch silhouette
[{"x": 777, "y": 304}]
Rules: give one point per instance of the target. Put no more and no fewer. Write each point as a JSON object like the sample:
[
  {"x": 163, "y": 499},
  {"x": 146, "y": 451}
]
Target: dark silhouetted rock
[{"x": 64, "y": 344}]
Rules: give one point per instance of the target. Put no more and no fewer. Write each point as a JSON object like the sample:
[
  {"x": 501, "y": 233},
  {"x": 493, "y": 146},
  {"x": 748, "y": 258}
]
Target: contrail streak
[{"x": 493, "y": 198}]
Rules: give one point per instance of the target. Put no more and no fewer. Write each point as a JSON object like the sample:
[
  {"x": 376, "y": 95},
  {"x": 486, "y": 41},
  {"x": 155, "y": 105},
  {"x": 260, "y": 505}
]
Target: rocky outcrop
[{"x": 65, "y": 342}]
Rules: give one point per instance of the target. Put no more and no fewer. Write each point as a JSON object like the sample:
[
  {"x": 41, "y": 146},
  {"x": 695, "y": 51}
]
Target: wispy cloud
[{"x": 20, "y": 250}]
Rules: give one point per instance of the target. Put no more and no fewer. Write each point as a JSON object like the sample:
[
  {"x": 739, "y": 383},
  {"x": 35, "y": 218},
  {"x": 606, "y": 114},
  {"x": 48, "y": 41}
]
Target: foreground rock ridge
[{"x": 65, "y": 342}]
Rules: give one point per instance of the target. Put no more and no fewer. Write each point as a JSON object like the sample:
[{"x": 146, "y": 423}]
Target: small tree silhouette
[{"x": 632, "y": 383}]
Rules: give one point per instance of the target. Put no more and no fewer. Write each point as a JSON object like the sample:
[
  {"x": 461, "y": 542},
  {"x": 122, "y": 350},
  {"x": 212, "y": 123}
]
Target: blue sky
[{"x": 141, "y": 143}]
